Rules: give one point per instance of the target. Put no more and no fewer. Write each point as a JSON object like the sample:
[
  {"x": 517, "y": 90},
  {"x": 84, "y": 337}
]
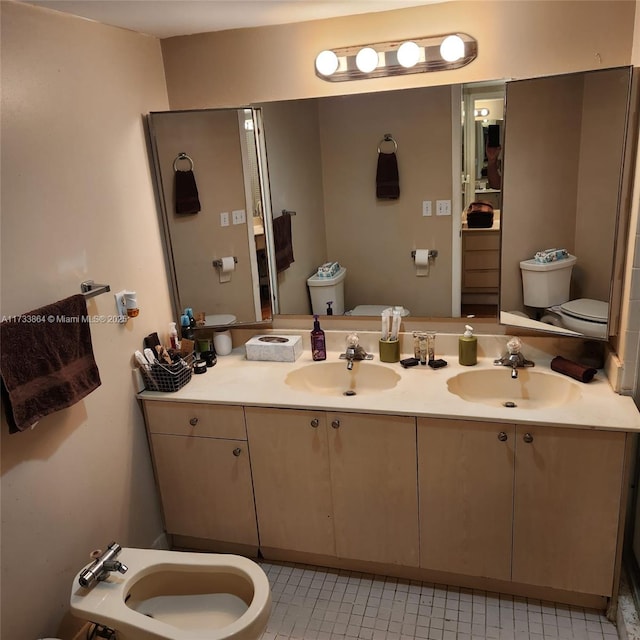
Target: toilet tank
[
  {"x": 323, "y": 290},
  {"x": 545, "y": 284}
]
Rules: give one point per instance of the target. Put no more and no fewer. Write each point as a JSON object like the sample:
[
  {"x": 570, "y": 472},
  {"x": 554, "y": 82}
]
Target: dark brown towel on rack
[
  {"x": 282, "y": 242},
  {"x": 387, "y": 179},
  {"x": 46, "y": 361},
  {"x": 573, "y": 369},
  {"x": 186, "y": 192}
]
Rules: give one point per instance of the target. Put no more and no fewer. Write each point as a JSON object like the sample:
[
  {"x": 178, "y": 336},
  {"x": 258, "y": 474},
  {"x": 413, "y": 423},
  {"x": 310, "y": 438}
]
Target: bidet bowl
[
  {"x": 172, "y": 595},
  {"x": 530, "y": 390},
  {"x": 333, "y": 378}
]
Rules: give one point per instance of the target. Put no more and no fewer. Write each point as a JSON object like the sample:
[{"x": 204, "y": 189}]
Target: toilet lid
[{"x": 586, "y": 309}]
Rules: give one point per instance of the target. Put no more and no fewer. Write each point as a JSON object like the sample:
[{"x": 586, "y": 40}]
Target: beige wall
[
  {"x": 295, "y": 177},
  {"x": 212, "y": 140},
  {"x": 374, "y": 238},
  {"x": 515, "y": 40},
  {"x": 77, "y": 203}
]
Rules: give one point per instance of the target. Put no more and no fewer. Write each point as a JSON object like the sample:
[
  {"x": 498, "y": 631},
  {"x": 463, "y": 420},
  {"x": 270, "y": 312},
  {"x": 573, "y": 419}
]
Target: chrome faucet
[
  {"x": 354, "y": 351},
  {"x": 514, "y": 358},
  {"x": 104, "y": 563}
]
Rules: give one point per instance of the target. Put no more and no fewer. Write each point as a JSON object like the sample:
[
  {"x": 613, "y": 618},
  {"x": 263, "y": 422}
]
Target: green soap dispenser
[{"x": 468, "y": 348}]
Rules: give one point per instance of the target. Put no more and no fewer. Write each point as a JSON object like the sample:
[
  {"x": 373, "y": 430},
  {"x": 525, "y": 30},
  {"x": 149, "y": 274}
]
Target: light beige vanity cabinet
[
  {"x": 203, "y": 472},
  {"x": 336, "y": 484},
  {"x": 480, "y": 261},
  {"x": 534, "y": 505}
]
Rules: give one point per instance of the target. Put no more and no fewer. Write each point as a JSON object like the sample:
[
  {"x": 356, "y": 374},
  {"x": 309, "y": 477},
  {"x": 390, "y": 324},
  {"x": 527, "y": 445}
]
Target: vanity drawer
[
  {"x": 481, "y": 260},
  {"x": 481, "y": 241},
  {"x": 195, "y": 419},
  {"x": 481, "y": 279}
]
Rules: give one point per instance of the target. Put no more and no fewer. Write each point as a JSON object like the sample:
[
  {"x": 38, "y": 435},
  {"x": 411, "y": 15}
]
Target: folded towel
[
  {"x": 387, "y": 179},
  {"x": 282, "y": 242},
  {"x": 550, "y": 255},
  {"x": 573, "y": 369},
  {"x": 186, "y": 192},
  {"x": 46, "y": 362}
]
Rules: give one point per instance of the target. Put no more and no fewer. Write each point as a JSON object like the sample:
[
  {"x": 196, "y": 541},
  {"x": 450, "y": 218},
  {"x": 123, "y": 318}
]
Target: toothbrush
[
  {"x": 385, "y": 324},
  {"x": 395, "y": 326}
]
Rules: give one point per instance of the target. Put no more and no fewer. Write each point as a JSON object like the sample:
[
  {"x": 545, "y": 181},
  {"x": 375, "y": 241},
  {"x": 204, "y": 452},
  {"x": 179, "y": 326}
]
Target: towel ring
[
  {"x": 387, "y": 138},
  {"x": 182, "y": 156}
]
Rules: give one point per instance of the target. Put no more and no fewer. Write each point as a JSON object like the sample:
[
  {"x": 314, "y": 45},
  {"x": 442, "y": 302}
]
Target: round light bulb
[
  {"x": 408, "y": 54},
  {"x": 367, "y": 59},
  {"x": 452, "y": 48},
  {"x": 327, "y": 63}
]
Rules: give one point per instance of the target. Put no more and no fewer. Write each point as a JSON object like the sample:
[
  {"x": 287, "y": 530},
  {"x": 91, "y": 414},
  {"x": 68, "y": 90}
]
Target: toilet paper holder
[
  {"x": 218, "y": 262},
  {"x": 433, "y": 253}
]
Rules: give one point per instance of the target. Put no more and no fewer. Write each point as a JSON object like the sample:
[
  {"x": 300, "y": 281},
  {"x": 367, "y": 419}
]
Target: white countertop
[{"x": 421, "y": 391}]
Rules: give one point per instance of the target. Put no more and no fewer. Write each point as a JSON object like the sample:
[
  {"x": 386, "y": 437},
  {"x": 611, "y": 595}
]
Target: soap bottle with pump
[
  {"x": 318, "y": 344},
  {"x": 468, "y": 348},
  {"x": 173, "y": 335}
]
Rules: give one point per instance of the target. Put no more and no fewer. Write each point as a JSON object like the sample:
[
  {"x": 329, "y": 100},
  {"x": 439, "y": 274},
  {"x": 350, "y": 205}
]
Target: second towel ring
[
  {"x": 387, "y": 138},
  {"x": 182, "y": 156}
]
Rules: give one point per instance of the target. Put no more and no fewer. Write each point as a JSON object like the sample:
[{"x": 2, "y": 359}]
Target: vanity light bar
[{"x": 414, "y": 55}]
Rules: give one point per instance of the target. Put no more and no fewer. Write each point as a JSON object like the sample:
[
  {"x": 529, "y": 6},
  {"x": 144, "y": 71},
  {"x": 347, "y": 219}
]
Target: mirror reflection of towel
[
  {"x": 186, "y": 192},
  {"x": 387, "y": 179},
  {"x": 282, "y": 242}
]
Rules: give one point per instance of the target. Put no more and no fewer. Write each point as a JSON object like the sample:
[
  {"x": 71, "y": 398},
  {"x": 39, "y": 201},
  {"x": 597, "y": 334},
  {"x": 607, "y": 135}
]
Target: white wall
[{"x": 77, "y": 203}]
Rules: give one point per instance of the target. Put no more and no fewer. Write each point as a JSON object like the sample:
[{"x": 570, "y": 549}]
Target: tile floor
[{"x": 313, "y": 603}]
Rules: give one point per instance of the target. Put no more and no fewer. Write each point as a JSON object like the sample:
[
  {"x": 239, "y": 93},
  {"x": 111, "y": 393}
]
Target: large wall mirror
[{"x": 322, "y": 157}]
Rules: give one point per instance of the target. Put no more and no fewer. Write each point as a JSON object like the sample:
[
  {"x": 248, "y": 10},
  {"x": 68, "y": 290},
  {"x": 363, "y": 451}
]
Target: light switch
[
  {"x": 224, "y": 219},
  {"x": 426, "y": 207},
  {"x": 239, "y": 216},
  {"x": 443, "y": 207}
]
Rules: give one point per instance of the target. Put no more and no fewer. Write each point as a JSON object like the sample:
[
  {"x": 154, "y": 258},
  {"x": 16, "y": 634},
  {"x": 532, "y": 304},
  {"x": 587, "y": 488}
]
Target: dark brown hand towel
[
  {"x": 387, "y": 179},
  {"x": 573, "y": 369},
  {"x": 282, "y": 242},
  {"x": 186, "y": 192},
  {"x": 46, "y": 361}
]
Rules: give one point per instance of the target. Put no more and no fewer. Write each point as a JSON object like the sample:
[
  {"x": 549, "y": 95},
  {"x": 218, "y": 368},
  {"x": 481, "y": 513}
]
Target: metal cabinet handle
[
  {"x": 335, "y": 423},
  {"x": 502, "y": 436},
  {"x": 193, "y": 422},
  {"x": 237, "y": 451},
  {"x": 315, "y": 422},
  {"x": 527, "y": 437}
]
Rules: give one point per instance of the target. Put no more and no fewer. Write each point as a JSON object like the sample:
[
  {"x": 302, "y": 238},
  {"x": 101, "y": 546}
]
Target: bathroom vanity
[{"x": 407, "y": 479}]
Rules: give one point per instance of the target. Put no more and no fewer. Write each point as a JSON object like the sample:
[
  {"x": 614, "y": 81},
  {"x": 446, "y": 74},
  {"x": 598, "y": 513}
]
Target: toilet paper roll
[
  {"x": 227, "y": 268},
  {"x": 422, "y": 262}
]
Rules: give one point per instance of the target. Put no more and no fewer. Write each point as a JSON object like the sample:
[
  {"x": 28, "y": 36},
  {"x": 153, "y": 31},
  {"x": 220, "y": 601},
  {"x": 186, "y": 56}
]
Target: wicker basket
[{"x": 168, "y": 378}]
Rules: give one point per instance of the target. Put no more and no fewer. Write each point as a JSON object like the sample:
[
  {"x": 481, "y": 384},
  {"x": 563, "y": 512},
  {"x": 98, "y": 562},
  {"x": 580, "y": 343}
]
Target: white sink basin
[
  {"x": 333, "y": 378},
  {"x": 530, "y": 390}
]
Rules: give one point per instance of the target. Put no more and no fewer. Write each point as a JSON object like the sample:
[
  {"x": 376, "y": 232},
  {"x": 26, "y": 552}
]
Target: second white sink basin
[
  {"x": 333, "y": 378},
  {"x": 530, "y": 390}
]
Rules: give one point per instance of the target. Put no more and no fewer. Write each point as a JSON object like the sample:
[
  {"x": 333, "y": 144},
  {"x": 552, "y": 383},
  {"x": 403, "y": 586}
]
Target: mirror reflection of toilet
[{"x": 546, "y": 286}]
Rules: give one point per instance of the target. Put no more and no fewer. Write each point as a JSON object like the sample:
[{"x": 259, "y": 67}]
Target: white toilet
[
  {"x": 546, "y": 285},
  {"x": 174, "y": 595}
]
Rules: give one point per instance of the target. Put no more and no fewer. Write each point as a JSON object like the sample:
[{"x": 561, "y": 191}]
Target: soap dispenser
[
  {"x": 468, "y": 348},
  {"x": 318, "y": 345}
]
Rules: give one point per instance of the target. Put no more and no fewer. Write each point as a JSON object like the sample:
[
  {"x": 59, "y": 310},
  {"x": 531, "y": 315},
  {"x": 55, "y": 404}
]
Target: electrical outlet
[
  {"x": 224, "y": 219},
  {"x": 121, "y": 305},
  {"x": 239, "y": 216},
  {"x": 443, "y": 207},
  {"x": 426, "y": 207}
]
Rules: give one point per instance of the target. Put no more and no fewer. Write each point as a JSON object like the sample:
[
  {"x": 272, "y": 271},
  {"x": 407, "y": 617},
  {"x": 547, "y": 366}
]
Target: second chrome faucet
[{"x": 354, "y": 351}]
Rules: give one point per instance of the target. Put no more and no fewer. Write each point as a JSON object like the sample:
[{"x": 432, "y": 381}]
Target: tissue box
[{"x": 274, "y": 348}]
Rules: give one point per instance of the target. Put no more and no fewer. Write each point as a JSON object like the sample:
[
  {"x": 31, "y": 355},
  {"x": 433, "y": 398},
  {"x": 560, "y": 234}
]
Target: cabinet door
[
  {"x": 465, "y": 472},
  {"x": 567, "y": 504},
  {"x": 290, "y": 464},
  {"x": 374, "y": 483},
  {"x": 205, "y": 487}
]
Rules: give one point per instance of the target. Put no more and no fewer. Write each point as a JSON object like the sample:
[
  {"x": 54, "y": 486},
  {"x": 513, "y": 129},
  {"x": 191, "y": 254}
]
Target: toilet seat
[{"x": 587, "y": 310}]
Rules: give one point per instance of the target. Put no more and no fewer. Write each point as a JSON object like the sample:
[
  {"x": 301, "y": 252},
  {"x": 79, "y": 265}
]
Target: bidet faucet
[
  {"x": 354, "y": 351},
  {"x": 514, "y": 358},
  {"x": 103, "y": 564}
]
